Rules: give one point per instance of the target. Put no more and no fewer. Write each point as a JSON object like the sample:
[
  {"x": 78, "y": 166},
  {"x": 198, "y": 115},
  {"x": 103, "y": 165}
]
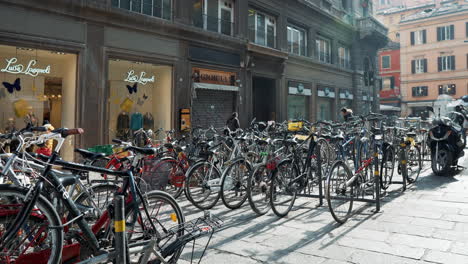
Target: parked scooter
[{"x": 446, "y": 142}]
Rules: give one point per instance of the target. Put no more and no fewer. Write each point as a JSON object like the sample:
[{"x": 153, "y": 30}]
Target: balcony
[
  {"x": 373, "y": 30},
  {"x": 345, "y": 63},
  {"x": 214, "y": 24},
  {"x": 324, "y": 57}
]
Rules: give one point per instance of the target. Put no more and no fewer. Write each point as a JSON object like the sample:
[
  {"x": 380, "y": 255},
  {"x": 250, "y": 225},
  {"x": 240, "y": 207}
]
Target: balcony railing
[
  {"x": 214, "y": 24},
  {"x": 344, "y": 63},
  {"x": 262, "y": 38},
  {"x": 161, "y": 9},
  {"x": 369, "y": 26}
]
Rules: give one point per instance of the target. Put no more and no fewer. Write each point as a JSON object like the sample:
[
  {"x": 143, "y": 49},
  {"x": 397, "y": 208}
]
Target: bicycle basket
[{"x": 156, "y": 173}]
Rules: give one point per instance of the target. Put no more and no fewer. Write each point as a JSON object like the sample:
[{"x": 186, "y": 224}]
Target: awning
[
  {"x": 389, "y": 108},
  {"x": 416, "y": 104},
  {"x": 217, "y": 87}
]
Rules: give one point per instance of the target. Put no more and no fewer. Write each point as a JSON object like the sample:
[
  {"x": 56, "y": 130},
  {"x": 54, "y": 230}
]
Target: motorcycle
[{"x": 446, "y": 141}]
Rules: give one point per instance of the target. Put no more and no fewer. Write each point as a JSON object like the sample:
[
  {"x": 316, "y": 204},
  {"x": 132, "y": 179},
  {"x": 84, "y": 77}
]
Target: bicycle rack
[{"x": 307, "y": 192}]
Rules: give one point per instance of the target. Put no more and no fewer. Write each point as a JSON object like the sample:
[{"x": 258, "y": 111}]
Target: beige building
[{"x": 434, "y": 55}]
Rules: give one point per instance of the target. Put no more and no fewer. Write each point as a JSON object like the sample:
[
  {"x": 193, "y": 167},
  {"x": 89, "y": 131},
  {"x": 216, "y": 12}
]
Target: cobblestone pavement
[{"x": 428, "y": 223}]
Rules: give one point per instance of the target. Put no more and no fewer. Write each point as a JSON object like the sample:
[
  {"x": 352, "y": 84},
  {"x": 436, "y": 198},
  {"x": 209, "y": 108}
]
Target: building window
[
  {"x": 420, "y": 91},
  {"x": 418, "y": 37},
  {"x": 466, "y": 26},
  {"x": 326, "y": 5},
  {"x": 297, "y": 41},
  {"x": 262, "y": 29},
  {"x": 344, "y": 57},
  {"x": 446, "y": 63},
  {"x": 323, "y": 50},
  {"x": 214, "y": 15},
  {"x": 419, "y": 66},
  {"x": 445, "y": 33},
  {"x": 450, "y": 89},
  {"x": 385, "y": 62},
  {"x": 388, "y": 83},
  {"x": 156, "y": 8}
]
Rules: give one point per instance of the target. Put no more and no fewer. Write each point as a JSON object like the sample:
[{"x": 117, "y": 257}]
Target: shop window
[
  {"x": 140, "y": 96},
  {"x": 214, "y": 15},
  {"x": 420, "y": 91},
  {"x": 450, "y": 89},
  {"x": 446, "y": 63},
  {"x": 445, "y": 33},
  {"x": 156, "y": 8},
  {"x": 323, "y": 48},
  {"x": 262, "y": 29},
  {"x": 344, "y": 57},
  {"x": 38, "y": 87},
  {"x": 297, "y": 41}
]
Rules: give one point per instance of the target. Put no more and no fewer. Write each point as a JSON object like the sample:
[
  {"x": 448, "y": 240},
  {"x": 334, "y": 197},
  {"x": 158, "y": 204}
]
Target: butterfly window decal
[
  {"x": 11, "y": 87},
  {"x": 132, "y": 89}
]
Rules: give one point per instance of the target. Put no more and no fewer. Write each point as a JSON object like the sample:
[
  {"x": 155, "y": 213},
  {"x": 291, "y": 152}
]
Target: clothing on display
[
  {"x": 136, "y": 121},
  {"x": 148, "y": 121}
]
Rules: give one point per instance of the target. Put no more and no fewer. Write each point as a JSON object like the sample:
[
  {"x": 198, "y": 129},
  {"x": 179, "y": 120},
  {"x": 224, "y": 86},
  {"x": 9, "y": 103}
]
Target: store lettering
[
  {"x": 14, "y": 68},
  {"x": 215, "y": 78},
  {"x": 141, "y": 79}
]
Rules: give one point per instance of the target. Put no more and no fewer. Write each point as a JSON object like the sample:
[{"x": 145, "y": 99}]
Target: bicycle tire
[
  {"x": 413, "y": 158},
  {"x": 285, "y": 172},
  {"x": 103, "y": 193},
  {"x": 235, "y": 186},
  {"x": 194, "y": 182},
  {"x": 258, "y": 186},
  {"x": 332, "y": 191},
  {"x": 42, "y": 205},
  {"x": 387, "y": 167},
  {"x": 175, "y": 176}
]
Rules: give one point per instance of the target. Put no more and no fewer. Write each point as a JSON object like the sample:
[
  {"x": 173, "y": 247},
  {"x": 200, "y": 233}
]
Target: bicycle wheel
[
  {"x": 327, "y": 155},
  {"x": 258, "y": 190},
  {"x": 234, "y": 184},
  {"x": 98, "y": 198},
  {"x": 339, "y": 196},
  {"x": 283, "y": 192},
  {"x": 387, "y": 167},
  {"x": 165, "y": 174},
  {"x": 202, "y": 185},
  {"x": 414, "y": 163},
  {"x": 365, "y": 153},
  {"x": 36, "y": 241}
]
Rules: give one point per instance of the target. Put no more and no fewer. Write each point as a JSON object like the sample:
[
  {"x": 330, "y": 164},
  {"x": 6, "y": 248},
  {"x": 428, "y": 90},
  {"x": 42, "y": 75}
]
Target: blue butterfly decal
[
  {"x": 132, "y": 89},
  {"x": 145, "y": 96},
  {"x": 12, "y": 86}
]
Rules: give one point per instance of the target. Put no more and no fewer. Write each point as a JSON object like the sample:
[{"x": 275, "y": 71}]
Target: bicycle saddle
[
  {"x": 69, "y": 179},
  {"x": 86, "y": 154},
  {"x": 144, "y": 151}
]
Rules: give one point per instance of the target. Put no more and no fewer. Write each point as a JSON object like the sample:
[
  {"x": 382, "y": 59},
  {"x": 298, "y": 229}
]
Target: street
[{"x": 428, "y": 223}]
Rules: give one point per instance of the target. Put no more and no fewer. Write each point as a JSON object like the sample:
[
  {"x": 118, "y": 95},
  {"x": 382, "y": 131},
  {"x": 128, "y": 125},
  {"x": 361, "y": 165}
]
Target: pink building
[{"x": 434, "y": 56}]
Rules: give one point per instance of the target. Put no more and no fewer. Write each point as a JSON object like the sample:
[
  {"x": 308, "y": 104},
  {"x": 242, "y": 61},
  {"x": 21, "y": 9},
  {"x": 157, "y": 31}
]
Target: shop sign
[
  {"x": 299, "y": 89},
  {"x": 17, "y": 68},
  {"x": 214, "y": 77},
  {"x": 141, "y": 79},
  {"x": 346, "y": 94},
  {"x": 326, "y": 92}
]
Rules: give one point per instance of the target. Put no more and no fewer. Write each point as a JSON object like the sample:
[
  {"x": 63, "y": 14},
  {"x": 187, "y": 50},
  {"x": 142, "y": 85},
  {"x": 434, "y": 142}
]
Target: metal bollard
[{"x": 119, "y": 230}]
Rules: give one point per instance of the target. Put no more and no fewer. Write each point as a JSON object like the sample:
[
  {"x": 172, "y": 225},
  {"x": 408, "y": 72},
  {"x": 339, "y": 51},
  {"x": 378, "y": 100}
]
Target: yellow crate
[{"x": 295, "y": 126}]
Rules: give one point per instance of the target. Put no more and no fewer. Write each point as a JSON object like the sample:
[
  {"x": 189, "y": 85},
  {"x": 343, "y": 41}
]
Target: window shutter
[
  {"x": 426, "y": 90},
  {"x": 452, "y": 58},
  {"x": 439, "y": 63},
  {"x": 425, "y": 65},
  {"x": 424, "y": 37},
  {"x": 452, "y": 32},
  {"x": 392, "y": 82},
  {"x": 414, "y": 91},
  {"x": 413, "y": 66},
  {"x": 412, "y": 38},
  {"x": 439, "y": 33}
]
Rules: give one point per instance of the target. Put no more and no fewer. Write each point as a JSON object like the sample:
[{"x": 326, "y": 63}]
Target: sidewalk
[{"x": 428, "y": 223}]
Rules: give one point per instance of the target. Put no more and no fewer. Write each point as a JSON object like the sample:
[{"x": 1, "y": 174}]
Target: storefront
[
  {"x": 38, "y": 87},
  {"x": 346, "y": 98},
  {"x": 299, "y": 96},
  {"x": 140, "y": 96},
  {"x": 214, "y": 96},
  {"x": 325, "y": 103}
]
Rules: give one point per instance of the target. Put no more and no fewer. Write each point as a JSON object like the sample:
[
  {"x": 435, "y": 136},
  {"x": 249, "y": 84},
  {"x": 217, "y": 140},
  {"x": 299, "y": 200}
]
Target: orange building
[{"x": 434, "y": 56}]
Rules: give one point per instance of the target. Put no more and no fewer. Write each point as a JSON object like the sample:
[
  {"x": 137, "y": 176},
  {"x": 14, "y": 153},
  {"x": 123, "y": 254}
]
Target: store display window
[
  {"x": 140, "y": 98},
  {"x": 38, "y": 87}
]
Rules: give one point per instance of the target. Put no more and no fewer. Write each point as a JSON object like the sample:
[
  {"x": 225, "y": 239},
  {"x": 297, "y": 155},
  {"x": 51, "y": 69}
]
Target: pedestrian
[
  {"x": 347, "y": 114},
  {"x": 233, "y": 122}
]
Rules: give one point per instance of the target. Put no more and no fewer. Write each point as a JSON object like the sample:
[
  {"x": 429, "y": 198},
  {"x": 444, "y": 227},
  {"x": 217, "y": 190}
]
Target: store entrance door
[{"x": 264, "y": 98}]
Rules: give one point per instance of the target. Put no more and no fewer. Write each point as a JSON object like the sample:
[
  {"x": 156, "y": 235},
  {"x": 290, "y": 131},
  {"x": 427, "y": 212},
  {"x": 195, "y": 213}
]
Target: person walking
[
  {"x": 233, "y": 122},
  {"x": 346, "y": 113}
]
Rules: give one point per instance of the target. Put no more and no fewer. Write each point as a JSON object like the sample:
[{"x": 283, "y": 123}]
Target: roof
[
  {"x": 449, "y": 8},
  {"x": 394, "y": 10}
]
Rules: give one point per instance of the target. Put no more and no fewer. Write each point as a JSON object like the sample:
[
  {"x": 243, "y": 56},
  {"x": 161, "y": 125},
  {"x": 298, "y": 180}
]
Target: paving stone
[
  {"x": 456, "y": 218},
  {"x": 460, "y": 248},
  {"x": 451, "y": 234},
  {"x": 376, "y": 246},
  {"x": 445, "y": 257},
  {"x": 417, "y": 241},
  {"x": 442, "y": 224},
  {"x": 367, "y": 257}
]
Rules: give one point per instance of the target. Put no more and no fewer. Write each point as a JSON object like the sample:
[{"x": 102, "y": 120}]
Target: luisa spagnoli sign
[
  {"x": 29, "y": 69},
  {"x": 141, "y": 79}
]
